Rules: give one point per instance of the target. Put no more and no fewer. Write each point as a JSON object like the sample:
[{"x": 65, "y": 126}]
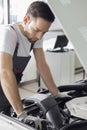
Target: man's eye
[{"x": 36, "y": 30}]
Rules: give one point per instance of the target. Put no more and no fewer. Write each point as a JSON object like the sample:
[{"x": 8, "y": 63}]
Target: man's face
[{"x": 35, "y": 28}]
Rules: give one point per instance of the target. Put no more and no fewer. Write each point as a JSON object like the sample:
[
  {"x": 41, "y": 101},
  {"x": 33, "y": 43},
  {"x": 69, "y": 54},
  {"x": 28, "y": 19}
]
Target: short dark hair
[{"x": 40, "y": 9}]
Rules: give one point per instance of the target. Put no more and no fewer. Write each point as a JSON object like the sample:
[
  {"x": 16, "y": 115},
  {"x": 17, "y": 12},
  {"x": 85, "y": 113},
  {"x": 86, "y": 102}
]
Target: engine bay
[{"x": 59, "y": 113}]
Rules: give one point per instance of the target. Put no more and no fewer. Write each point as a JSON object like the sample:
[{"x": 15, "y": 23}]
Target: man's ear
[{"x": 26, "y": 19}]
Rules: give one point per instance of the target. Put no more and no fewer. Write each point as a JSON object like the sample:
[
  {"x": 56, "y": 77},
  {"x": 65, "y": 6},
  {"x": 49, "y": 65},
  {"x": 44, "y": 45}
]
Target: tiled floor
[{"x": 28, "y": 89}]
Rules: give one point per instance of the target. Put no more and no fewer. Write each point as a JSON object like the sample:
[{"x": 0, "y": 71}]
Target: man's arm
[
  {"x": 8, "y": 82},
  {"x": 44, "y": 70}
]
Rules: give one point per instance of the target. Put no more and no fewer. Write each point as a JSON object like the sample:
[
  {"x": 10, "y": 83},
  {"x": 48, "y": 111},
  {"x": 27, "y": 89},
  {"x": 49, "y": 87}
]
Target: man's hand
[
  {"x": 62, "y": 95},
  {"x": 35, "y": 122}
]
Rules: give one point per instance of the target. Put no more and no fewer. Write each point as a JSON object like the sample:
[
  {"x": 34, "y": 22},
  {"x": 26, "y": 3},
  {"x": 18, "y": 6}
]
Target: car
[{"x": 67, "y": 113}]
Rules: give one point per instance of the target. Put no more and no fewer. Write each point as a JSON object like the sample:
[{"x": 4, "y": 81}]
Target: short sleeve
[{"x": 8, "y": 40}]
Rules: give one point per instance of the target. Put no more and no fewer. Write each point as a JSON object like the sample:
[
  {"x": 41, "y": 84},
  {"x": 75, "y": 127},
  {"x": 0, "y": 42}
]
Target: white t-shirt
[{"x": 10, "y": 37}]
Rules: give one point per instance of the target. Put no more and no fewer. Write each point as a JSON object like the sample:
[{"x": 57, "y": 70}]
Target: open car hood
[{"x": 73, "y": 17}]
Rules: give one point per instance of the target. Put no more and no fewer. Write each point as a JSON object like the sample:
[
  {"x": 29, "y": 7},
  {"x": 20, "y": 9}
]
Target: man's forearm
[
  {"x": 9, "y": 86},
  {"x": 48, "y": 79}
]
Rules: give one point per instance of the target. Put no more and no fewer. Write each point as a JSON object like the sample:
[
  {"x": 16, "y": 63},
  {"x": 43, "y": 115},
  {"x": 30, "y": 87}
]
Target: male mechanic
[{"x": 16, "y": 42}]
